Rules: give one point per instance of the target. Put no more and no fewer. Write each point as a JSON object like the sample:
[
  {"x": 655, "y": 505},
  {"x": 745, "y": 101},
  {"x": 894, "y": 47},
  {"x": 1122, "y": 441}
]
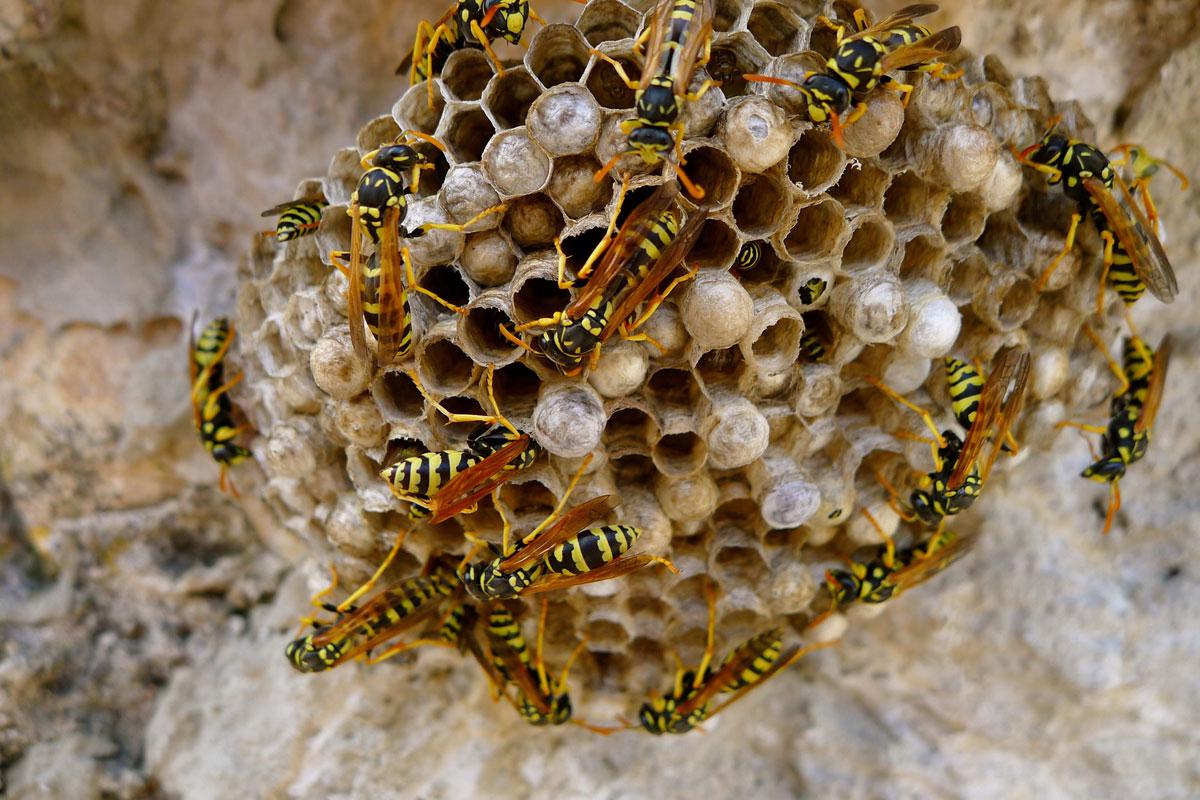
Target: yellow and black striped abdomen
[
  {"x": 766, "y": 648},
  {"x": 1122, "y": 276},
  {"x": 659, "y": 235},
  {"x": 208, "y": 346},
  {"x": 217, "y": 430},
  {"x": 591, "y": 549},
  {"x": 904, "y": 35},
  {"x": 506, "y": 634},
  {"x": 299, "y": 220},
  {"x": 966, "y": 385},
  {"x": 424, "y": 475}
]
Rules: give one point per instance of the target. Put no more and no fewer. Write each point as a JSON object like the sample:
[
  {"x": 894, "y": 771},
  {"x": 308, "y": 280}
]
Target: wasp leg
[
  {"x": 374, "y": 579},
  {"x": 905, "y": 89},
  {"x": 462, "y": 227},
  {"x": 1044, "y": 278},
  {"x": 1083, "y": 426},
  {"x": 943, "y": 72},
  {"x": 482, "y": 38},
  {"x": 926, "y": 417},
  {"x": 516, "y": 340},
  {"x": 710, "y": 599},
  {"x": 894, "y": 498},
  {"x": 657, "y": 301},
  {"x": 589, "y": 265},
  {"x": 544, "y": 322},
  {"x": 557, "y": 512},
  {"x": 616, "y": 65},
  {"x": 1109, "y": 242},
  {"x": 1112, "y": 363},
  {"x": 1114, "y": 505},
  {"x": 402, "y": 646},
  {"x": 411, "y": 277},
  {"x": 889, "y": 556}
]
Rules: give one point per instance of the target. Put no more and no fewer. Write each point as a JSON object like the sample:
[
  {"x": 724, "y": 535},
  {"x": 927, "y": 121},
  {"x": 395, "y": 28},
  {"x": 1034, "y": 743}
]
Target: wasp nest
[{"x": 740, "y": 457}]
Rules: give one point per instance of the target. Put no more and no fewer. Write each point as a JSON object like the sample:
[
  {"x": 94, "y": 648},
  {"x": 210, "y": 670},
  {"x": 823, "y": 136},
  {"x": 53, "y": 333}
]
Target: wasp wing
[
  {"x": 369, "y": 616},
  {"x": 1000, "y": 403},
  {"x": 354, "y": 294},
  {"x": 471, "y": 485},
  {"x": 392, "y": 297},
  {"x": 275, "y": 211},
  {"x": 923, "y": 51},
  {"x": 553, "y": 582},
  {"x": 698, "y": 32},
  {"x": 741, "y": 659},
  {"x": 563, "y": 529},
  {"x": 896, "y": 19},
  {"x": 925, "y": 567},
  {"x": 666, "y": 263},
  {"x": 1129, "y": 225},
  {"x": 1158, "y": 381},
  {"x": 660, "y": 23},
  {"x": 194, "y": 371},
  {"x": 631, "y": 234}
]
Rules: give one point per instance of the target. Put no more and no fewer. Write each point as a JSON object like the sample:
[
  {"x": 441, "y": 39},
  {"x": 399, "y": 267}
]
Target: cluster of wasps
[{"x": 468, "y": 602}]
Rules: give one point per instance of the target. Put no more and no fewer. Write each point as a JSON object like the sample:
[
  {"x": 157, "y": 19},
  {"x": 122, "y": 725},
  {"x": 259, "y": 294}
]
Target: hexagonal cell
[
  {"x": 376, "y": 133},
  {"x": 538, "y": 296},
  {"x": 760, "y": 205},
  {"x": 443, "y": 367},
  {"x": 778, "y": 344},
  {"x": 815, "y": 162},
  {"x": 924, "y": 257},
  {"x": 487, "y": 258},
  {"x": 966, "y": 276},
  {"x": 412, "y": 111},
  {"x": 466, "y": 74},
  {"x": 532, "y": 497},
  {"x": 729, "y": 14},
  {"x": 558, "y": 54},
  {"x": 566, "y": 120},
  {"x": 447, "y": 283},
  {"x": 908, "y": 200},
  {"x": 734, "y": 55},
  {"x": 515, "y": 163},
  {"x": 816, "y": 231},
  {"x": 606, "y": 85},
  {"x": 870, "y": 243},
  {"x": 453, "y": 433},
  {"x": 739, "y": 564},
  {"x": 516, "y": 388},
  {"x": 964, "y": 219},
  {"x": 721, "y": 368},
  {"x": 608, "y": 21},
  {"x": 1003, "y": 241},
  {"x": 572, "y": 186},
  {"x": 634, "y": 469},
  {"x": 533, "y": 221},
  {"x": 397, "y": 396},
  {"x": 769, "y": 269},
  {"x": 777, "y": 28},
  {"x": 716, "y": 246},
  {"x": 467, "y": 132},
  {"x": 481, "y": 334},
  {"x": 1009, "y": 301},
  {"x": 861, "y": 185},
  {"x": 673, "y": 389},
  {"x": 629, "y": 430},
  {"x": 508, "y": 97},
  {"x": 679, "y": 453},
  {"x": 712, "y": 170}
]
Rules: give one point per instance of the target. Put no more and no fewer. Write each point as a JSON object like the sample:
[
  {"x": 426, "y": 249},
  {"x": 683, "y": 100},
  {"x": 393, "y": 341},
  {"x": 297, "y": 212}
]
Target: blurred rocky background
[{"x": 143, "y": 614}]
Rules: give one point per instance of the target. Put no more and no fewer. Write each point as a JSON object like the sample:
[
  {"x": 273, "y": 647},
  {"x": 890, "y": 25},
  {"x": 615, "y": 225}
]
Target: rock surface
[{"x": 143, "y": 615}]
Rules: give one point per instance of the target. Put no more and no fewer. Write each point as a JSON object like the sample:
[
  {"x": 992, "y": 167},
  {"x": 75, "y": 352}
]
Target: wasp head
[
  {"x": 397, "y": 157},
  {"x": 1106, "y": 470},
  {"x": 925, "y": 508},
  {"x": 651, "y": 143},
  {"x": 843, "y": 586},
  {"x": 826, "y": 95}
]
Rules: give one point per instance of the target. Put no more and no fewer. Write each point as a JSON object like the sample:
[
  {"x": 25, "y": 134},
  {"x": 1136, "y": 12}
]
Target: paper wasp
[
  {"x": 749, "y": 665},
  {"x": 377, "y": 208},
  {"x": 1126, "y": 438},
  {"x": 1134, "y": 259},
  {"x": 1142, "y": 168},
  {"x": 891, "y": 572},
  {"x": 296, "y": 218},
  {"x": 541, "y": 699},
  {"x": 622, "y": 272},
  {"x": 750, "y": 255},
  {"x": 863, "y": 61},
  {"x": 559, "y": 553},
  {"x": 212, "y": 410},
  {"x": 449, "y": 482},
  {"x": 357, "y": 630},
  {"x": 677, "y": 43},
  {"x": 960, "y": 468}
]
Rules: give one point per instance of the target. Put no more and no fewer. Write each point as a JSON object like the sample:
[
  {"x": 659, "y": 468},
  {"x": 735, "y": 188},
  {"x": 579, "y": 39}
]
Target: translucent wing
[
  {"x": 194, "y": 370},
  {"x": 742, "y": 658},
  {"x": 666, "y": 263},
  {"x": 1135, "y": 233},
  {"x": 660, "y": 23},
  {"x": 275, "y": 211},
  {"x": 522, "y": 677},
  {"x": 566, "y": 526},
  {"x": 1154, "y": 392},
  {"x": 1000, "y": 403},
  {"x": 698, "y": 32},
  {"x": 923, "y": 51},
  {"x": 613, "y": 569},
  {"x": 354, "y": 300},
  {"x": 622, "y": 247},
  {"x": 372, "y": 612},
  {"x": 471, "y": 485},
  {"x": 896, "y": 19},
  {"x": 925, "y": 568},
  {"x": 392, "y": 320}
]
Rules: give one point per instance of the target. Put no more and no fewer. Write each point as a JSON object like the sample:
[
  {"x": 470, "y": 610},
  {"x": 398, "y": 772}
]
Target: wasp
[
  {"x": 449, "y": 482},
  {"x": 812, "y": 290},
  {"x": 357, "y": 630},
  {"x": 212, "y": 410},
  {"x": 540, "y": 698},
  {"x": 750, "y": 255},
  {"x": 1126, "y": 438},
  {"x": 748, "y": 666},
  {"x": 676, "y": 44},
  {"x": 960, "y": 468},
  {"x": 863, "y": 61},
  {"x": 1142, "y": 167},
  {"x": 296, "y": 218},
  {"x": 378, "y": 207},
  {"x": 1133, "y": 259},
  {"x": 559, "y": 553},
  {"x": 891, "y": 572},
  {"x": 626, "y": 267}
]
